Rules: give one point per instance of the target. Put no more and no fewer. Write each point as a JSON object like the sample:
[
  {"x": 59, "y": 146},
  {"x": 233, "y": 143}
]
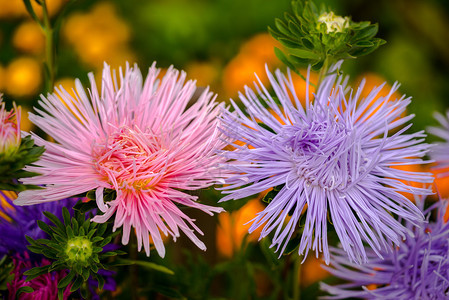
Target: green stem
[
  {"x": 133, "y": 269},
  {"x": 323, "y": 71},
  {"x": 296, "y": 278},
  {"x": 49, "y": 50}
]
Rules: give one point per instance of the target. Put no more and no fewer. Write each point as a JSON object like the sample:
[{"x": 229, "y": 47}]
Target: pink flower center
[{"x": 129, "y": 159}]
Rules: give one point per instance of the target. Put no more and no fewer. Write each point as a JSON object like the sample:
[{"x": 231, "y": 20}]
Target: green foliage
[
  {"x": 311, "y": 37},
  {"x": 11, "y": 166},
  {"x": 6, "y": 266},
  {"x": 75, "y": 244},
  {"x": 271, "y": 194}
]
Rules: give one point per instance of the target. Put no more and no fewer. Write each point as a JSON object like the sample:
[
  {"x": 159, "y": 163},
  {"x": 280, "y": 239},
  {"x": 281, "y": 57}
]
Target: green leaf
[
  {"x": 363, "y": 44},
  {"x": 76, "y": 284},
  {"x": 66, "y": 215},
  {"x": 304, "y": 53},
  {"x": 69, "y": 232},
  {"x": 94, "y": 268},
  {"x": 96, "y": 239},
  {"x": 148, "y": 265},
  {"x": 101, "y": 229},
  {"x": 84, "y": 207},
  {"x": 367, "y": 32},
  {"x": 30, "y": 10},
  {"x": 44, "y": 226},
  {"x": 280, "y": 25},
  {"x": 292, "y": 245},
  {"x": 50, "y": 254},
  {"x": 99, "y": 279},
  {"x": 75, "y": 226},
  {"x": 85, "y": 273},
  {"x": 23, "y": 289},
  {"x": 36, "y": 271},
  {"x": 264, "y": 126},
  {"x": 66, "y": 280},
  {"x": 61, "y": 294},
  {"x": 54, "y": 219},
  {"x": 104, "y": 242},
  {"x": 35, "y": 249},
  {"x": 289, "y": 43},
  {"x": 294, "y": 28},
  {"x": 271, "y": 194},
  {"x": 307, "y": 43},
  {"x": 270, "y": 256},
  {"x": 281, "y": 56}
]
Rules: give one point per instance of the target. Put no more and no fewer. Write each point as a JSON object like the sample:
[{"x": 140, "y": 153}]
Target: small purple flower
[
  {"x": 418, "y": 269},
  {"x": 22, "y": 220},
  {"x": 333, "y": 157}
]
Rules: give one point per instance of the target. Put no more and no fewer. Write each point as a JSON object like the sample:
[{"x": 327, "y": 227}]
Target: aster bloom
[
  {"x": 17, "y": 221},
  {"x": 332, "y": 158},
  {"x": 44, "y": 287},
  {"x": 9, "y": 129},
  {"x": 418, "y": 269},
  {"x": 142, "y": 139}
]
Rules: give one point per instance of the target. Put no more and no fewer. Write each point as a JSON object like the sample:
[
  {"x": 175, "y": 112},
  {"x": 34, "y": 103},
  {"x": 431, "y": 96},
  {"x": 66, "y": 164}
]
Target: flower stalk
[{"x": 50, "y": 49}]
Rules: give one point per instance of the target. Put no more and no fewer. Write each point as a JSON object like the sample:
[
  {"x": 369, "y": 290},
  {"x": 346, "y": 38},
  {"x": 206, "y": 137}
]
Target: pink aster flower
[
  {"x": 9, "y": 128},
  {"x": 145, "y": 140}
]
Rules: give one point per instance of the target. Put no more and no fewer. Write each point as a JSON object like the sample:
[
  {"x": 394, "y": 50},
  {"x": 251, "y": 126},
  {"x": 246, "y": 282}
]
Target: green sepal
[
  {"x": 66, "y": 215},
  {"x": 35, "y": 272},
  {"x": 64, "y": 282},
  {"x": 54, "y": 219},
  {"x": 23, "y": 289},
  {"x": 76, "y": 284},
  {"x": 99, "y": 279}
]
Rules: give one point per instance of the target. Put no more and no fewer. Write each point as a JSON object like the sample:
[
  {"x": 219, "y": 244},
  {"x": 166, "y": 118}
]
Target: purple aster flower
[
  {"x": 333, "y": 157},
  {"x": 418, "y": 269},
  {"x": 19, "y": 221}
]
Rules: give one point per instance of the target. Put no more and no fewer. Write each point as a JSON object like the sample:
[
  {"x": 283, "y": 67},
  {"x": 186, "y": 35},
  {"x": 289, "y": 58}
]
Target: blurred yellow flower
[
  {"x": 261, "y": 46},
  {"x": 2, "y": 78},
  {"x": 25, "y": 123},
  {"x": 4, "y": 203},
  {"x": 205, "y": 73},
  {"x": 23, "y": 77},
  {"x": 441, "y": 182},
  {"x": 311, "y": 271},
  {"x": 251, "y": 59},
  {"x": 10, "y": 9},
  {"x": 99, "y": 35},
  {"x": 67, "y": 84},
  {"x": 231, "y": 229},
  {"x": 29, "y": 38}
]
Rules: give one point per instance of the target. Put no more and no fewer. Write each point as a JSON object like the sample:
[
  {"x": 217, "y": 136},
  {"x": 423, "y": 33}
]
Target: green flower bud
[
  {"x": 333, "y": 23},
  {"x": 78, "y": 251},
  {"x": 320, "y": 38}
]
